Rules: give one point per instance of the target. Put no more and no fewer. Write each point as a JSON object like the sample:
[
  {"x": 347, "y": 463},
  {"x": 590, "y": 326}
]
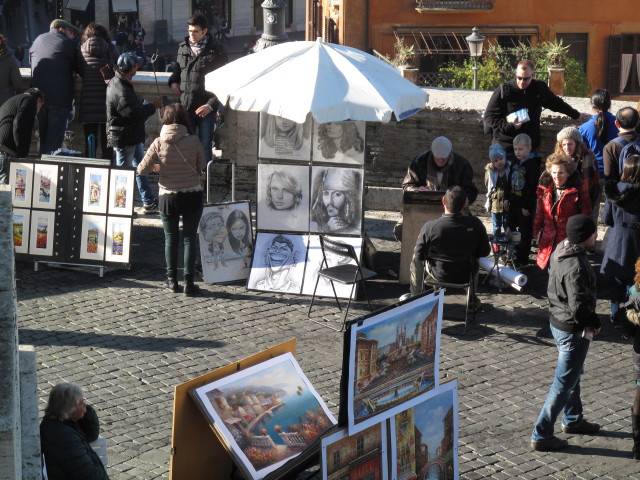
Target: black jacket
[
  {"x": 572, "y": 289},
  {"x": 94, "y": 54},
  {"x": 17, "y": 116},
  {"x": 455, "y": 237},
  {"x": 126, "y": 113},
  {"x": 190, "y": 71},
  {"x": 66, "y": 448},
  {"x": 523, "y": 180},
  {"x": 508, "y": 98}
]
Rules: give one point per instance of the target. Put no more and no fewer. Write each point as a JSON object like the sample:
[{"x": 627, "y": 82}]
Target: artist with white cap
[{"x": 438, "y": 169}]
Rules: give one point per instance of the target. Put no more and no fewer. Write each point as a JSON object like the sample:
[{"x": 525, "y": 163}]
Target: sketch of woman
[
  {"x": 240, "y": 237},
  {"x": 214, "y": 232},
  {"x": 339, "y": 137},
  {"x": 283, "y": 197},
  {"x": 284, "y": 138},
  {"x": 283, "y": 191},
  {"x": 336, "y": 201},
  {"x": 280, "y": 260}
]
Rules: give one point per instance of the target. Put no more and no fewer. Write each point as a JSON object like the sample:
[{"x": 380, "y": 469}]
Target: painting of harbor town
[
  {"x": 268, "y": 414},
  {"x": 393, "y": 360},
  {"x": 424, "y": 438}
]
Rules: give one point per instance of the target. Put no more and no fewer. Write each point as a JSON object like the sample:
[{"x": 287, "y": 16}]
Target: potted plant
[
  {"x": 403, "y": 60},
  {"x": 556, "y": 54}
]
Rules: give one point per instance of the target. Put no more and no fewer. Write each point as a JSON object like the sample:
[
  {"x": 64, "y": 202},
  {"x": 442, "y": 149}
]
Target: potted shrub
[{"x": 557, "y": 54}]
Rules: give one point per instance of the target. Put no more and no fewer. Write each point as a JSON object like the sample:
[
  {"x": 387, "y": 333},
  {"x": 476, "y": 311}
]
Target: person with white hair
[{"x": 68, "y": 426}]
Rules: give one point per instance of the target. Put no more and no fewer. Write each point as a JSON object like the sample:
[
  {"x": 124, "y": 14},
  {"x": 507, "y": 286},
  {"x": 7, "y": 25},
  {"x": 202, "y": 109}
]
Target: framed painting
[
  {"x": 121, "y": 191},
  {"x": 283, "y": 197},
  {"x": 226, "y": 242},
  {"x": 284, "y": 139},
  {"x": 339, "y": 142},
  {"x": 265, "y": 414},
  {"x": 424, "y": 438},
  {"x": 93, "y": 237},
  {"x": 118, "y": 240},
  {"x": 314, "y": 262},
  {"x": 278, "y": 263},
  {"x": 21, "y": 181},
  {"x": 42, "y": 232},
  {"x": 363, "y": 455},
  {"x": 336, "y": 200},
  {"x": 96, "y": 182},
  {"x": 393, "y": 360},
  {"x": 45, "y": 186},
  {"x": 21, "y": 226}
]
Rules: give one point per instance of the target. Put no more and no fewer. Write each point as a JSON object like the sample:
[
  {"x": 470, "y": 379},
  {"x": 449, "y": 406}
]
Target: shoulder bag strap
[{"x": 185, "y": 160}]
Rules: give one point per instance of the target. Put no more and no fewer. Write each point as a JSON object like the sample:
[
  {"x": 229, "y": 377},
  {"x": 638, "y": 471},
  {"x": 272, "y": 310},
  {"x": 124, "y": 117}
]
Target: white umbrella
[{"x": 332, "y": 82}]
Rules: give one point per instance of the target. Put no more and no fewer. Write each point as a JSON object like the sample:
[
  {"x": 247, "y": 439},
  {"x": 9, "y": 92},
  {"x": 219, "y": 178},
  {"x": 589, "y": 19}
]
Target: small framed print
[
  {"x": 121, "y": 192},
  {"x": 42, "y": 232},
  {"x": 118, "y": 240},
  {"x": 45, "y": 185},
  {"x": 93, "y": 237},
  {"x": 96, "y": 181},
  {"x": 21, "y": 179},
  {"x": 21, "y": 224}
]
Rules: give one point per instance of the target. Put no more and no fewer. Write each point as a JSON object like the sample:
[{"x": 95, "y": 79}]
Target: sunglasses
[{"x": 523, "y": 79}]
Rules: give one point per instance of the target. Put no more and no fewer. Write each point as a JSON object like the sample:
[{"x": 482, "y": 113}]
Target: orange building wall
[{"x": 599, "y": 18}]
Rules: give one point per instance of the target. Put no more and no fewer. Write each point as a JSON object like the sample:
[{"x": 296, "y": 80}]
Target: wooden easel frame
[{"x": 196, "y": 451}]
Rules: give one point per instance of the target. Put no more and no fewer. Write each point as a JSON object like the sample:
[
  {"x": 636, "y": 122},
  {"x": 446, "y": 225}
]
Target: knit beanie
[
  {"x": 579, "y": 228},
  {"x": 570, "y": 132},
  {"x": 496, "y": 152},
  {"x": 441, "y": 147}
]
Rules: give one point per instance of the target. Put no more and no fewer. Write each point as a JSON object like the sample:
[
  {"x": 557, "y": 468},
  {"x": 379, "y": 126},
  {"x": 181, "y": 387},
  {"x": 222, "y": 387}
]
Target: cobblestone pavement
[{"x": 128, "y": 342}]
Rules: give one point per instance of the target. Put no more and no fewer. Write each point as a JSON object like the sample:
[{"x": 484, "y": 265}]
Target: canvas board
[
  {"x": 284, "y": 139},
  {"x": 339, "y": 142},
  {"x": 121, "y": 192},
  {"x": 42, "y": 232},
  {"x": 278, "y": 262},
  {"x": 424, "y": 438},
  {"x": 21, "y": 227},
  {"x": 118, "y": 240},
  {"x": 314, "y": 262},
  {"x": 393, "y": 360},
  {"x": 21, "y": 180},
  {"x": 267, "y": 414},
  {"x": 336, "y": 200},
  {"x": 96, "y": 183},
  {"x": 226, "y": 242},
  {"x": 363, "y": 455},
  {"x": 283, "y": 197},
  {"x": 93, "y": 237},
  {"x": 45, "y": 186}
]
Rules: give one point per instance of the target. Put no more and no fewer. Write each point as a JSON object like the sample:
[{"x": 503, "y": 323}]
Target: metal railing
[
  {"x": 427, "y": 5},
  {"x": 446, "y": 80}
]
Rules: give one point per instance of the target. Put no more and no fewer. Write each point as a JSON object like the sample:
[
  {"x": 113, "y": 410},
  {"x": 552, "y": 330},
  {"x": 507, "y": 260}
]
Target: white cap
[{"x": 441, "y": 147}]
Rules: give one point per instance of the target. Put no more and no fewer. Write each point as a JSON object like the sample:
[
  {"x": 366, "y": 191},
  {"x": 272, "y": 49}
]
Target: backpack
[{"x": 631, "y": 148}]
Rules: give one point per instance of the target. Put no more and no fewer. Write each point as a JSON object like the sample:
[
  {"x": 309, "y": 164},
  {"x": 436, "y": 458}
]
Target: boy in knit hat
[{"x": 496, "y": 178}]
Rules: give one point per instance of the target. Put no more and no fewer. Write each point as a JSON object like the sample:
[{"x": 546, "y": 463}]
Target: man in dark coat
[
  {"x": 17, "y": 116},
  {"x": 126, "y": 116},
  {"x": 524, "y": 92},
  {"x": 66, "y": 430},
  {"x": 626, "y": 120},
  {"x": 53, "y": 66},
  {"x": 198, "y": 55}
]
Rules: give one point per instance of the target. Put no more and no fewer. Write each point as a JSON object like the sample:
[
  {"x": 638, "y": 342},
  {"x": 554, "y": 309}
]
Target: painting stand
[
  {"x": 99, "y": 269},
  {"x": 196, "y": 451},
  {"x": 221, "y": 161}
]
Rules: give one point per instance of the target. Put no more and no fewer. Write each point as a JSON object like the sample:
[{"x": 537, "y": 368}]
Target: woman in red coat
[{"x": 563, "y": 198}]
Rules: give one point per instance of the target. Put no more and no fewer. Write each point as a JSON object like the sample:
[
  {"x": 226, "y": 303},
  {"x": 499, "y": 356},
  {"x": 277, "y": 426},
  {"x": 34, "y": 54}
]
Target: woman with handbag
[{"x": 179, "y": 157}]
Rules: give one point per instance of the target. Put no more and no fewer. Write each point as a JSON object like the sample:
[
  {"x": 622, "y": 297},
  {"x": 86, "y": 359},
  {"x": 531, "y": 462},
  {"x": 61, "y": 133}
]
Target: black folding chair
[
  {"x": 346, "y": 274},
  {"x": 455, "y": 258}
]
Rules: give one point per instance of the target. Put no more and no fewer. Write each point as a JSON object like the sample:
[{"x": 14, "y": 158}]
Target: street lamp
[{"x": 475, "y": 42}]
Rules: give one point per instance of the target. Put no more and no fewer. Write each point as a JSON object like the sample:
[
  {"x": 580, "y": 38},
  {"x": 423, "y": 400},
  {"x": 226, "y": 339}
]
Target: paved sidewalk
[{"x": 128, "y": 342}]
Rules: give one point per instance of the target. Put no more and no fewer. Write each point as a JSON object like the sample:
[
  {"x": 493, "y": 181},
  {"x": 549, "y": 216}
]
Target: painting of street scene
[
  {"x": 20, "y": 185},
  {"x": 268, "y": 413},
  {"x": 20, "y": 178},
  {"x": 363, "y": 455},
  {"x": 393, "y": 360},
  {"x": 424, "y": 438},
  {"x": 121, "y": 192},
  {"x": 44, "y": 195}
]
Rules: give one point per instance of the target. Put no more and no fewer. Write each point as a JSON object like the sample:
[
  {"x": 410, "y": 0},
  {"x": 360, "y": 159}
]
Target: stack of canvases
[{"x": 310, "y": 182}]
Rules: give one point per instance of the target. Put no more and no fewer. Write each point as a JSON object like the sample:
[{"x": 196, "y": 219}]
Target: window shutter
[{"x": 615, "y": 60}]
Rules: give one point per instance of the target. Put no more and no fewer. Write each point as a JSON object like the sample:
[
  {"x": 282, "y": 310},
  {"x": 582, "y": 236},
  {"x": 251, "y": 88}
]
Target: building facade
[{"x": 603, "y": 36}]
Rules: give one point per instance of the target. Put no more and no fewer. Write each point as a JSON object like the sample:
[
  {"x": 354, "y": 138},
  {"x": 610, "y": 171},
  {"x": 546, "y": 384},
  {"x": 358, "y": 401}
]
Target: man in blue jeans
[
  {"x": 572, "y": 302},
  {"x": 126, "y": 116}
]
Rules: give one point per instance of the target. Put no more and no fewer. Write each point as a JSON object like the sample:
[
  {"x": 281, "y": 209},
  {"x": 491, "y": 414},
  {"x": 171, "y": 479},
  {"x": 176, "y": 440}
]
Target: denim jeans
[
  {"x": 171, "y": 226},
  {"x": 564, "y": 394},
  {"x": 52, "y": 123},
  {"x": 130, "y": 156},
  {"x": 204, "y": 127},
  {"x": 499, "y": 220}
]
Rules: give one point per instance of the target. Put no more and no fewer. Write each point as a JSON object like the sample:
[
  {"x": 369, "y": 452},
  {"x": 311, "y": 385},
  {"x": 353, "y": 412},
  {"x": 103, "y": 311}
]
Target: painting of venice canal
[
  {"x": 395, "y": 359},
  {"x": 269, "y": 413}
]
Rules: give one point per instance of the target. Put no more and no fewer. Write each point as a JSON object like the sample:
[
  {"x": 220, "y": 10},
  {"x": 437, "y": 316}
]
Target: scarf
[{"x": 437, "y": 177}]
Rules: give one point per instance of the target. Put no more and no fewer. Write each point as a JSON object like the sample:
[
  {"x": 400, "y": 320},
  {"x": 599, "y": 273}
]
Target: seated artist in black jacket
[
  {"x": 454, "y": 236},
  {"x": 69, "y": 424}
]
